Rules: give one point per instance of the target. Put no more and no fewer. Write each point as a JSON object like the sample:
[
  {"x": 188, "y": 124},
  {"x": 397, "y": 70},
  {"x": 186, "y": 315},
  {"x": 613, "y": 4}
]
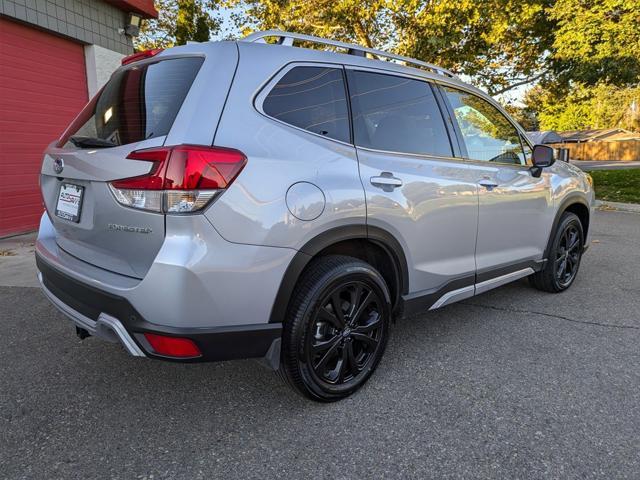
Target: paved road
[
  {"x": 511, "y": 384},
  {"x": 601, "y": 165}
]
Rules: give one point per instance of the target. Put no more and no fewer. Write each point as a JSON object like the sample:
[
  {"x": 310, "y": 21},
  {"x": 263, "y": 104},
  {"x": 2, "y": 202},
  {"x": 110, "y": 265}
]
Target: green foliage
[
  {"x": 586, "y": 107},
  {"x": 497, "y": 42},
  {"x": 596, "y": 67},
  {"x": 179, "y": 21},
  {"x": 597, "y": 41},
  {"x": 366, "y": 22}
]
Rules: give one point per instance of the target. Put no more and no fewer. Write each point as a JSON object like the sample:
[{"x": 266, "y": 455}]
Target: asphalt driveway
[{"x": 511, "y": 384}]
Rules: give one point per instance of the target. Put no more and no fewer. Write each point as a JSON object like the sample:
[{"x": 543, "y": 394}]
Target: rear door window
[
  {"x": 137, "y": 103},
  {"x": 311, "y": 98},
  {"x": 396, "y": 114}
]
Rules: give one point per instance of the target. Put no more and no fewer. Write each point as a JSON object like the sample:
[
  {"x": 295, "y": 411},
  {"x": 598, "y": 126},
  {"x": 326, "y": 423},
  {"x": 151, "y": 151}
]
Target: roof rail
[{"x": 287, "y": 38}]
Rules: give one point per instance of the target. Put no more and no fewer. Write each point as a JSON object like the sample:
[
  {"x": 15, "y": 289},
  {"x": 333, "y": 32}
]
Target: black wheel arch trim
[
  {"x": 326, "y": 239},
  {"x": 570, "y": 199}
]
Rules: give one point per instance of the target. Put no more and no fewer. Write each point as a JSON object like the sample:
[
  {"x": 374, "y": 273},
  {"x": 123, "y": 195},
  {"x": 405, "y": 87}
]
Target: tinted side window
[
  {"x": 487, "y": 133},
  {"x": 396, "y": 114},
  {"x": 312, "y": 98}
]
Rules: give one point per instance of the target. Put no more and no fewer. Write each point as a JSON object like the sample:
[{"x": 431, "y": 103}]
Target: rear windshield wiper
[{"x": 91, "y": 142}]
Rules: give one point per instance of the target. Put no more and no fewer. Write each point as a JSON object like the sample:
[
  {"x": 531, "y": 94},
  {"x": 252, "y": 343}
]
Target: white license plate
[{"x": 69, "y": 203}]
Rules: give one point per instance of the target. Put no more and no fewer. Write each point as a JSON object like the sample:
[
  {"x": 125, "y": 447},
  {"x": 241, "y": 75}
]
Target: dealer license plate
[{"x": 69, "y": 203}]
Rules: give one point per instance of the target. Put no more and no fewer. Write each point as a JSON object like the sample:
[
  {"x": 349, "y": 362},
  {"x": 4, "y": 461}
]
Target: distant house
[
  {"x": 600, "y": 135},
  {"x": 602, "y": 144},
  {"x": 546, "y": 136}
]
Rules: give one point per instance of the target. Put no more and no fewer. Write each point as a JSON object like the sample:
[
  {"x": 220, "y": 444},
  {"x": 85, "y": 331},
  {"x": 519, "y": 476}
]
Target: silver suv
[{"x": 256, "y": 199}]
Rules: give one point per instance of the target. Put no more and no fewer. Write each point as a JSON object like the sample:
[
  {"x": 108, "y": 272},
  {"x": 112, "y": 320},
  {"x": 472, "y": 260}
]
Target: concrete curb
[{"x": 623, "y": 207}]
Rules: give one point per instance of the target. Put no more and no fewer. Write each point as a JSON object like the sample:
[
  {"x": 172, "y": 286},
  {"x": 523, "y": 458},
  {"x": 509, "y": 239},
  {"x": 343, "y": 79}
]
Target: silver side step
[
  {"x": 106, "y": 327},
  {"x": 454, "y": 296},
  {"x": 478, "y": 288},
  {"x": 502, "y": 280}
]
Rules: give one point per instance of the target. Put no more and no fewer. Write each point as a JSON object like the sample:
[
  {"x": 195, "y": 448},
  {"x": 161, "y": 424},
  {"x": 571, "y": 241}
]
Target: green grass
[{"x": 617, "y": 185}]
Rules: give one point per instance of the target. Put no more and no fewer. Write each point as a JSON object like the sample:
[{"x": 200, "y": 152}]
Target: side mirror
[{"x": 543, "y": 156}]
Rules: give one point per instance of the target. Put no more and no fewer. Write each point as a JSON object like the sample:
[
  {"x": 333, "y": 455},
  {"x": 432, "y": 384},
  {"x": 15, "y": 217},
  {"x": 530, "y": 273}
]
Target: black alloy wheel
[
  {"x": 336, "y": 328},
  {"x": 345, "y": 333},
  {"x": 568, "y": 255},
  {"x": 564, "y": 256}
]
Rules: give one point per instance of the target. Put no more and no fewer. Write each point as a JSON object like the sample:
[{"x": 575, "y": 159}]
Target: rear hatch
[{"x": 135, "y": 110}]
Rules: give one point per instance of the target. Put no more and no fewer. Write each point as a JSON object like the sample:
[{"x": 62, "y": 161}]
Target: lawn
[{"x": 617, "y": 185}]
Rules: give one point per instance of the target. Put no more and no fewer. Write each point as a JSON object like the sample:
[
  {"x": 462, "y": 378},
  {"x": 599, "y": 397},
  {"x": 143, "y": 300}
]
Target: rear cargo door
[{"x": 136, "y": 109}]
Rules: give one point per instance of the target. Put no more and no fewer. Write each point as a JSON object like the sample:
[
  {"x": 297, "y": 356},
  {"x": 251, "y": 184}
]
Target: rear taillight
[
  {"x": 140, "y": 56},
  {"x": 183, "y": 179}
]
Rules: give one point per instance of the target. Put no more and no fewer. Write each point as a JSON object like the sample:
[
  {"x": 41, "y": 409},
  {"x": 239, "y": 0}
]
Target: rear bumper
[
  {"x": 113, "y": 318},
  {"x": 105, "y": 326}
]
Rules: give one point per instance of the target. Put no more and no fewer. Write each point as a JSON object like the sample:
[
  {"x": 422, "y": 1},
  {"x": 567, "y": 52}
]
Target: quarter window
[
  {"x": 311, "y": 98},
  {"x": 488, "y": 134},
  {"x": 396, "y": 114}
]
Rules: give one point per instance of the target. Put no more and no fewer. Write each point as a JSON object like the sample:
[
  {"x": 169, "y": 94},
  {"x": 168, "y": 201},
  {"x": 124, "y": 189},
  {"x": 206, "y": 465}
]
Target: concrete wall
[
  {"x": 88, "y": 21},
  {"x": 100, "y": 64}
]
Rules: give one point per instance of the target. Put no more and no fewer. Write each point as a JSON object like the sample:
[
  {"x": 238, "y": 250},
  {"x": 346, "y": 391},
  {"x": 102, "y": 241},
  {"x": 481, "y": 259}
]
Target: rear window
[
  {"x": 396, "y": 114},
  {"x": 136, "y": 104},
  {"x": 311, "y": 98}
]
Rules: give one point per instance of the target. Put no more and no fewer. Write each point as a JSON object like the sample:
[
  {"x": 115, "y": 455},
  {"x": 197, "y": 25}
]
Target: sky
[{"x": 228, "y": 27}]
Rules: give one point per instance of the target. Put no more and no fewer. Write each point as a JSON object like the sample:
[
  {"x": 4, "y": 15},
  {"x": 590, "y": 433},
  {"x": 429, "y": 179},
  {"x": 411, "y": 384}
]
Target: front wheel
[
  {"x": 563, "y": 263},
  {"x": 336, "y": 329}
]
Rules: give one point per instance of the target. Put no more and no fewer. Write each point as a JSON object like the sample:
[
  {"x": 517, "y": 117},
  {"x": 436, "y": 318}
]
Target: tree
[
  {"x": 586, "y": 107},
  {"x": 597, "y": 41},
  {"x": 500, "y": 43},
  {"x": 363, "y": 22},
  {"x": 596, "y": 67},
  {"x": 179, "y": 21}
]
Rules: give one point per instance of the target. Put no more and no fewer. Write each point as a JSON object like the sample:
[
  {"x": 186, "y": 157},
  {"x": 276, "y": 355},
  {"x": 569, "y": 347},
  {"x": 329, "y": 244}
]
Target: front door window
[{"x": 488, "y": 134}]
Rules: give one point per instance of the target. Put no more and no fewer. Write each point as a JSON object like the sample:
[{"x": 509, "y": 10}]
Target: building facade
[{"x": 54, "y": 55}]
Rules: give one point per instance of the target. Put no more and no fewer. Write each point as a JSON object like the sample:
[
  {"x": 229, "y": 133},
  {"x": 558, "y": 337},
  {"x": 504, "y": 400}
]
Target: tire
[
  {"x": 563, "y": 263},
  {"x": 336, "y": 329}
]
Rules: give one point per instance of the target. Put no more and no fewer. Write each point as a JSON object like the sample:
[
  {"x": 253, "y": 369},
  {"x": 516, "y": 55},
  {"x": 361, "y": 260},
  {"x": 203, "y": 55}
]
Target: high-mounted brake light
[
  {"x": 141, "y": 56},
  {"x": 182, "y": 179},
  {"x": 173, "y": 346}
]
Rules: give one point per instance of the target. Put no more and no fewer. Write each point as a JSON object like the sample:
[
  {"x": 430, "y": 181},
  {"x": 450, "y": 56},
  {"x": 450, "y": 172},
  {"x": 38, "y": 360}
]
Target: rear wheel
[
  {"x": 336, "y": 329},
  {"x": 563, "y": 263}
]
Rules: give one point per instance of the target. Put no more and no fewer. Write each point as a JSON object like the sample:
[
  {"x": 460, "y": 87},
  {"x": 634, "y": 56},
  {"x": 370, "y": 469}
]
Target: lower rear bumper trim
[
  {"x": 105, "y": 327},
  {"x": 114, "y": 319}
]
